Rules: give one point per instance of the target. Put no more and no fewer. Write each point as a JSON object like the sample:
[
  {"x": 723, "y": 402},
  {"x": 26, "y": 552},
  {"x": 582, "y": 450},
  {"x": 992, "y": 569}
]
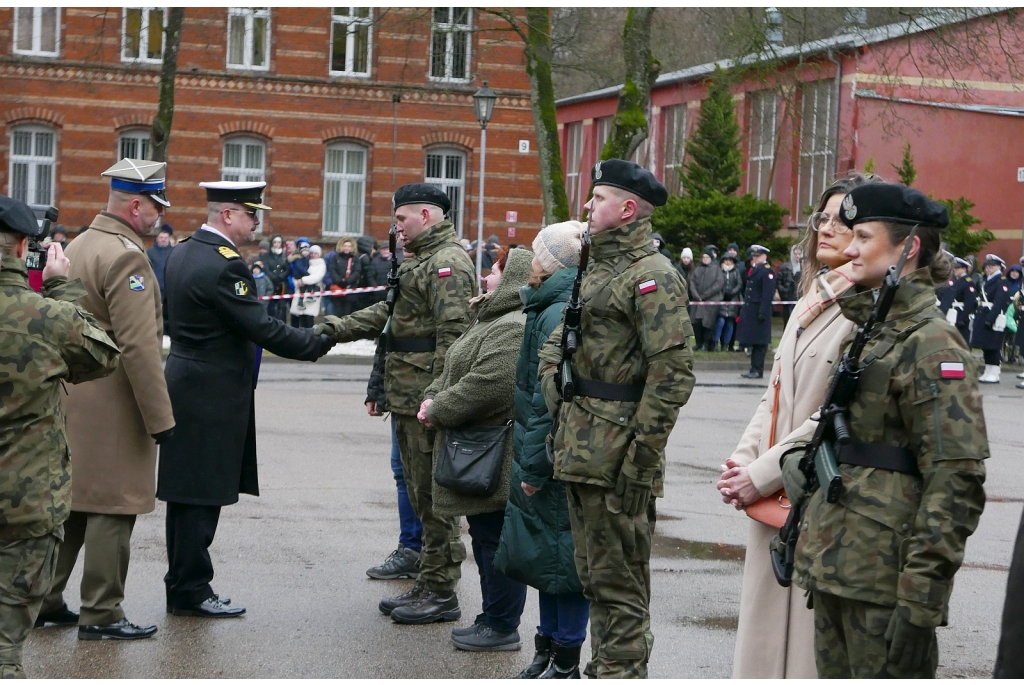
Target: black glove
[
  {"x": 762, "y": 318},
  {"x": 793, "y": 479},
  {"x": 910, "y": 646},
  {"x": 164, "y": 436},
  {"x": 326, "y": 343},
  {"x": 331, "y": 326},
  {"x": 635, "y": 494}
]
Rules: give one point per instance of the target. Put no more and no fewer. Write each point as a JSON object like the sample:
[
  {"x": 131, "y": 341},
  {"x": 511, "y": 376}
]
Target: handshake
[{"x": 327, "y": 332}]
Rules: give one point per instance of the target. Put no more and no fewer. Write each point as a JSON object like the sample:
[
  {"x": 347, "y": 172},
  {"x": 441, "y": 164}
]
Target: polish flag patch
[
  {"x": 444, "y": 271},
  {"x": 648, "y": 287},
  {"x": 951, "y": 370}
]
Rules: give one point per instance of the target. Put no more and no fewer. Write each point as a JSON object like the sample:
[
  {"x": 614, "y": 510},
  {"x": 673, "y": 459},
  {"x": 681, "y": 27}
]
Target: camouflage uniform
[
  {"x": 894, "y": 540},
  {"x": 42, "y": 343},
  {"x": 433, "y": 303},
  {"x": 634, "y": 330}
]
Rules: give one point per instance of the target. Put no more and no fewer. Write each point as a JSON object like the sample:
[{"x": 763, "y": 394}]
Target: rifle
[
  {"x": 571, "y": 331},
  {"x": 380, "y": 354},
  {"x": 818, "y": 463}
]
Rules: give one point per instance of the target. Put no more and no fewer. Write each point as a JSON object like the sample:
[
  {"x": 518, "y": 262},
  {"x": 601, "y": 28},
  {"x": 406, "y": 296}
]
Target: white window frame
[
  {"x": 762, "y": 132},
  {"x": 603, "y": 131},
  {"x": 817, "y": 143},
  {"x": 674, "y": 120},
  {"x": 450, "y": 28},
  {"x": 37, "y": 32},
  {"x": 140, "y": 138},
  {"x": 350, "y": 24},
  {"x": 345, "y": 216},
  {"x": 245, "y": 173},
  {"x": 143, "y": 57},
  {"x": 448, "y": 183},
  {"x": 250, "y": 14},
  {"x": 34, "y": 162},
  {"x": 573, "y": 161}
]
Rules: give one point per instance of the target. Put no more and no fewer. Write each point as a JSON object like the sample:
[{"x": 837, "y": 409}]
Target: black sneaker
[
  {"x": 402, "y": 563},
  {"x": 60, "y": 617},
  {"x": 389, "y": 604},
  {"x": 431, "y": 607},
  {"x": 486, "y": 639},
  {"x": 468, "y": 630}
]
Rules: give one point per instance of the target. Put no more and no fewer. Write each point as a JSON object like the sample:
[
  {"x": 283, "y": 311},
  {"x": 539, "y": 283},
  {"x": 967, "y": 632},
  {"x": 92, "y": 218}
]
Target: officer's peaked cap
[
  {"x": 961, "y": 262},
  {"x": 421, "y": 194},
  {"x": 631, "y": 177},
  {"x": 758, "y": 249},
  {"x": 140, "y": 177},
  {"x": 17, "y": 217},
  {"x": 893, "y": 203},
  {"x": 248, "y": 193},
  {"x": 994, "y": 259}
]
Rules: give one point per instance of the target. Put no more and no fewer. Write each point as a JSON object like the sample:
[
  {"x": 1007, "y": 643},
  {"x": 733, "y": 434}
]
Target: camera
[{"x": 45, "y": 215}]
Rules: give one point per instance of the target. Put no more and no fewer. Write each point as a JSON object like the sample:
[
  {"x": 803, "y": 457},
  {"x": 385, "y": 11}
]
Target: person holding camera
[{"x": 44, "y": 340}]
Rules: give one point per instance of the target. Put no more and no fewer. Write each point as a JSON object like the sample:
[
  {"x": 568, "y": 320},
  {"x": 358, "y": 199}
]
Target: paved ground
[{"x": 296, "y": 556}]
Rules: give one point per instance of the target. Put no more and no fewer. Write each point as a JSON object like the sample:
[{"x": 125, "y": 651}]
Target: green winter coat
[
  {"x": 536, "y": 545},
  {"x": 477, "y": 384}
]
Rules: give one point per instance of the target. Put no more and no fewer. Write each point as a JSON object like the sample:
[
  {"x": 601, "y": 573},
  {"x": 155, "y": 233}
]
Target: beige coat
[
  {"x": 775, "y": 638},
  {"x": 110, "y": 420}
]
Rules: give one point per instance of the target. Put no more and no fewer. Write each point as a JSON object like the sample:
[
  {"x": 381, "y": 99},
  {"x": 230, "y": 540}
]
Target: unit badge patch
[
  {"x": 241, "y": 288},
  {"x": 136, "y": 283}
]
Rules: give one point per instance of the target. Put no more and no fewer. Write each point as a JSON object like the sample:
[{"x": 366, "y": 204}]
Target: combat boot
[
  {"x": 429, "y": 607},
  {"x": 565, "y": 662},
  {"x": 402, "y": 563},
  {"x": 389, "y": 604},
  {"x": 541, "y": 660}
]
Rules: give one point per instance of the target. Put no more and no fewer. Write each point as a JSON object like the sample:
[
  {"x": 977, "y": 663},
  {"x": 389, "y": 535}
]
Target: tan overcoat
[
  {"x": 775, "y": 638},
  {"x": 110, "y": 420}
]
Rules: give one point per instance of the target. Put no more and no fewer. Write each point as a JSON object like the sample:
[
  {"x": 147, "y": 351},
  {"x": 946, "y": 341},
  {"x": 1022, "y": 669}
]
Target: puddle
[
  {"x": 665, "y": 547},
  {"x": 711, "y": 622}
]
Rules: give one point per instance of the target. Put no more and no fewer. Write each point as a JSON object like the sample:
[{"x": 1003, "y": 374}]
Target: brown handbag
[{"x": 774, "y": 509}]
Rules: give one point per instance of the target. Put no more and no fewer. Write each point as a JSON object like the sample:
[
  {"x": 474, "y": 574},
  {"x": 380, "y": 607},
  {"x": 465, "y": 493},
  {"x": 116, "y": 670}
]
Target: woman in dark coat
[
  {"x": 993, "y": 300},
  {"x": 732, "y": 291},
  {"x": 536, "y": 542},
  {"x": 346, "y": 272},
  {"x": 706, "y": 285},
  {"x": 277, "y": 269}
]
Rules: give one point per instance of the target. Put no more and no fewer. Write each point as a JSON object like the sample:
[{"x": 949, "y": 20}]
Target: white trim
[
  {"x": 449, "y": 183},
  {"x": 142, "y": 140},
  {"x": 674, "y": 148},
  {"x": 249, "y": 14},
  {"x": 450, "y": 29},
  {"x": 32, "y": 162},
  {"x": 37, "y": 32},
  {"x": 816, "y": 130},
  {"x": 243, "y": 172},
  {"x": 573, "y": 163},
  {"x": 143, "y": 31},
  {"x": 766, "y": 104},
  {"x": 350, "y": 23},
  {"x": 344, "y": 219}
]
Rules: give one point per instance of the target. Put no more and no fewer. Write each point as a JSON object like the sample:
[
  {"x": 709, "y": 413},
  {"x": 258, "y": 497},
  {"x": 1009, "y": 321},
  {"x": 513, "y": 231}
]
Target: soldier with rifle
[
  {"x": 891, "y": 484},
  {"x": 624, "y": 368}
]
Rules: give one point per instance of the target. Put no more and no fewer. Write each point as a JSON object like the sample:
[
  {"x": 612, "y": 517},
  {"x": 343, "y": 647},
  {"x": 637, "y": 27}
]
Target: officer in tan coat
[{"x": 114, "y": 425}]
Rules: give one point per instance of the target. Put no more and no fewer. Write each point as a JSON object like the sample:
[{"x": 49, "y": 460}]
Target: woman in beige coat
[{"x": 775, "y": 638}]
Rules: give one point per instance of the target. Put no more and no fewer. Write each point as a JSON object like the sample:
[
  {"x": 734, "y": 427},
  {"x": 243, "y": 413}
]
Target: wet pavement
[{"x": 296, "y": 556}]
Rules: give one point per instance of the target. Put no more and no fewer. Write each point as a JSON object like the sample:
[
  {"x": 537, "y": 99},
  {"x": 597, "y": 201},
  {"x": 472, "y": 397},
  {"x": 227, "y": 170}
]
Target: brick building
[
  {"x": 332, "y": 107},
  {"x": 831, "y": 105}
]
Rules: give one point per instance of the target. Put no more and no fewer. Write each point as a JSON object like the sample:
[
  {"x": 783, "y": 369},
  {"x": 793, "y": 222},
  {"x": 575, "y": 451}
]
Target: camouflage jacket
[
  {"x": 433, "y": 302},
  {"x": 43, "y": 341},
  {"x": 896, "y": 538},
  {"x": 634, "y": 330}
]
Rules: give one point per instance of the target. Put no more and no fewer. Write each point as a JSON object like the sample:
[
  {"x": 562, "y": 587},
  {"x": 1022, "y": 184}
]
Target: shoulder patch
[
  {"x": 129, "y": 245},
  {"x": 952, "y": 370},
  {"x": 771, "y": 275},
  {"x": 648, "y": 287},
  {"x": 227, "y": 253},
  {"x": 136, "y": 283},
  {"x": 241, "y": 287},
  {"x": 444, "y": 271}
]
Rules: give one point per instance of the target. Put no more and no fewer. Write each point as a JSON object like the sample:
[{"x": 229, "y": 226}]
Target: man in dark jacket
[
  {"x": 276, "y": 263},
  {"x": 376, "y": 273},
  {"x": 159, "y": 253},
  {"x": 755, "y": 328},
  {"x": 346, "y": 273}
]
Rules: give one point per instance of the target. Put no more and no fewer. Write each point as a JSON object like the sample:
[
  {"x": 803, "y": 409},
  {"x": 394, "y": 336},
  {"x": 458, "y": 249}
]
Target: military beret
[
  {"x": 421, "y": 194},
  {"x": 17, "y": 217},
  {"x": 248, "y": 193},
  {"x": 629, "y": 176},
  {"x": 893, "y": 203},
  {"x": 994, "y": 260}
]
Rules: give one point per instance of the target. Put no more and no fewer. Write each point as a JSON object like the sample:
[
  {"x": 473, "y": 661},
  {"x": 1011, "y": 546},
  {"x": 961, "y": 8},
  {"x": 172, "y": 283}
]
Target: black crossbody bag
[{"x": 470, "y": 459}]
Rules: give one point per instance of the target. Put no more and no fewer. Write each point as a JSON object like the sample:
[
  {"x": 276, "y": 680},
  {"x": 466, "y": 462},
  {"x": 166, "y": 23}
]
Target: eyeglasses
[
  {"x": 251, "y": 212},
  {"x": 820, "y": 220}
]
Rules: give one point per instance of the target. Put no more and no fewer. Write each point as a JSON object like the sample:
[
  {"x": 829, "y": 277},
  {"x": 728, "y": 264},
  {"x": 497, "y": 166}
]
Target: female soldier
[
  {"x": 879, "y": 562},
  {"x": 803, "y": 362}
]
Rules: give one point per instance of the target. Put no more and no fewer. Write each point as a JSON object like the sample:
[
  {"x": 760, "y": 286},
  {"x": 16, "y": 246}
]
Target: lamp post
[{"x": 483, "y": 105}]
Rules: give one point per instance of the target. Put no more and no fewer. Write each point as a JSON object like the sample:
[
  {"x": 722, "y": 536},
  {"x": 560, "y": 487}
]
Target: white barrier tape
[{"x": 326, "y": 293}]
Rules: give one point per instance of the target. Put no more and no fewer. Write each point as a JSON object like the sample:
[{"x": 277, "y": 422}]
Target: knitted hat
[
  {"x": 316, "y": 249},
  {"x": 687, "y": 253},
  {"x": 558, "y": 246}
]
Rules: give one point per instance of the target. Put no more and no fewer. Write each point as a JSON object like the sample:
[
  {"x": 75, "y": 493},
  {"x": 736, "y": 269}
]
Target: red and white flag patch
[
  {"x": 444, "y": 271},
  {"x": 951, "y": 370},
  {"x": 648, "y": 287}
]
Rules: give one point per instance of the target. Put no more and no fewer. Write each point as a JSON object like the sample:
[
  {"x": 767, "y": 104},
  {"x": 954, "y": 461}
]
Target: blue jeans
[
  {"x": 411, "y": 534},
  {"x": 564, "y": 618},
  {"x": 723, "y": 329},
  {"x": 503, "y": 597}
]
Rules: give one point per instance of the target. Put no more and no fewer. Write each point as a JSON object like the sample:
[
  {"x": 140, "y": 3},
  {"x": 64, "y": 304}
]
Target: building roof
[{"x": 844, "y": 41}]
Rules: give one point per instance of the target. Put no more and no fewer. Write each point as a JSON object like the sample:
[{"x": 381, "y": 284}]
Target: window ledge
[
  {"x": 342, "y": 75},
  {"x": 242, "y": 67}
]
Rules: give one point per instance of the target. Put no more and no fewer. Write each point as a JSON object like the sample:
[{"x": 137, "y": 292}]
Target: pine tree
[
  {"x": 906, "y": 170},
  {"x": 714, "y": 151}
]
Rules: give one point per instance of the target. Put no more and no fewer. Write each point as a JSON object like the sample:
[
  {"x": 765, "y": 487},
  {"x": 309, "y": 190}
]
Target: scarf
[{"x": 829, "y": 285}]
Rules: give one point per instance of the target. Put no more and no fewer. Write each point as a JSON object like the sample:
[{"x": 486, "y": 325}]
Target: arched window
[
  {"x": 33, "y": 157},
  {"x": 446, "y": 169},
  {"x": 133, "y": 144},
  {"x": 245, "y": 159},
  {"x": 344, "y": 189}
]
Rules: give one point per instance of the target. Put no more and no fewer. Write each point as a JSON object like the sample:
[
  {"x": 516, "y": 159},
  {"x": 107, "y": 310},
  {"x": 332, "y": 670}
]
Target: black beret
[
  {"x": 421, "y": 194},
  {"x": 894, "y": 203},
  {"x": 629, "y": 176},
  {"x": 16, "y": 217}
]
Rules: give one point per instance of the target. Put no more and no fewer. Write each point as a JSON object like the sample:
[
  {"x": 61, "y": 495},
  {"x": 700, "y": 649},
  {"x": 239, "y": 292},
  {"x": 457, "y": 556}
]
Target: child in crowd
[{"x": 264, "y": 286}]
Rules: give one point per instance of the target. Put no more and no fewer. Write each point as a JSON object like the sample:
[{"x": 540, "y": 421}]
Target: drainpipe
[{"x": 837, "y": 91}]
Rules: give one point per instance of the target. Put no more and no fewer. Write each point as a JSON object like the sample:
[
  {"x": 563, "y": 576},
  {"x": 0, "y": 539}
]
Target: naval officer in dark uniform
[
  {"x": 215, "y": 323},
  {"x": 755, "y": 327},
  {"x": 958, "y": 296}
]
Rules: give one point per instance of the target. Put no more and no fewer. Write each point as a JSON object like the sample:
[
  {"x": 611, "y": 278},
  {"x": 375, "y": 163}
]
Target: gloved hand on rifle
[
  {"x": 635, "y": 494},
  {"x": 910, "y": 646},
  {"x": 331, "y": 326},
  {"x": 793, "y": 479}
]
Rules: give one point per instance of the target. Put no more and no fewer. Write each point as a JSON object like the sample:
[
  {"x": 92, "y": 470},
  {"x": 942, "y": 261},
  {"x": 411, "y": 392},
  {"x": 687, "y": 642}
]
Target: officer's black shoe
[
  {"x": 60, "y": 617},
  {"x": 486, "y": 639},
  {"x": 541, "y": 660},
  {"x": 402, "y": 563},
  {"x": 431, "y": 607},
  {"x": 565, "y": 662},
  {"x": 122, "y": 630},
  {"x": 389, "y": 604},
  {"x": 211, "y": 608},
  {"x": 751, "y": 374}
]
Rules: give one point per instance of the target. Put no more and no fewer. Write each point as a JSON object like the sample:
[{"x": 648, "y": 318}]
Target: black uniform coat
[
  {"x": 997, "y": 292},
  {"x": 1010, "y": 657},
  {"x": 757, "y": 304},
  {"x": 959, "y": 290},
  {"x": 215, "y": 323}
]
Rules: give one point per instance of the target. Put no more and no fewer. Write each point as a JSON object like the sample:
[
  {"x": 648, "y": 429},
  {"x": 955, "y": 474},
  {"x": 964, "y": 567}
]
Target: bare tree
[
  {"x": 160, "y": 133},
  {"x": 629, "y": 128}
]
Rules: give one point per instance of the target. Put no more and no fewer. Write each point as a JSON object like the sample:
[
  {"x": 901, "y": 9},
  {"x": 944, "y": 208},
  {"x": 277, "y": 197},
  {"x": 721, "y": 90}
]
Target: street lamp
[{"x": 483, "y": 105}]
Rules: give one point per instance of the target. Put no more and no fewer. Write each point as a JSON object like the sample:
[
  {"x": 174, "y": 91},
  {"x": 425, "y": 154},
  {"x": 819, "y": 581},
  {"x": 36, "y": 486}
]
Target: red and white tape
[
  {"x": 326, "y": 293},
  {"x": 738, "y": 302}
]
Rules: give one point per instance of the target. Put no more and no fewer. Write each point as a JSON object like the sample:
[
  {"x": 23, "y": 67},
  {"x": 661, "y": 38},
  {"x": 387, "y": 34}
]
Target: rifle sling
[
  {"x": 601, "y": 390},
  {"x": 412, "y": 344},
  {"x": 887, "y": 457}
]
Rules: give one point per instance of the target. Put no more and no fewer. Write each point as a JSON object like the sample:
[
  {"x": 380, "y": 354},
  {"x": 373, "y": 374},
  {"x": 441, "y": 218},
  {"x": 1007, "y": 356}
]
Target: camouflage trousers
[
  {"x": 443, "y": 551},
  {"x": 26, "y": 571},
  {"x": 613, "y": 554},
  {"x": 849, "y": 640}
]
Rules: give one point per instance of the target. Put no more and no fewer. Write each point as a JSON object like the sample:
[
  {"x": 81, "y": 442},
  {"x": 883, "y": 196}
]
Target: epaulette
[
  {"x": 227, "y": 253},
  {"x": 129, "y": 245}
]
